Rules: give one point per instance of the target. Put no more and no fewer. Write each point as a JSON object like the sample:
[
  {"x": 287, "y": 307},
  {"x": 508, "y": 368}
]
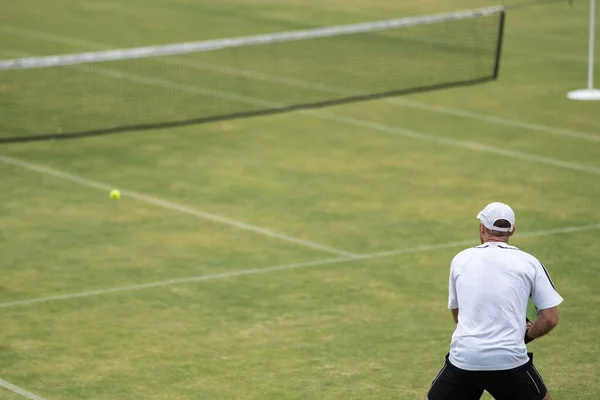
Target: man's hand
[
  {"x": 455, "y": 315},
  {"x": 546, "y": 321},
  {"x": 528, "y": 324},
  {"x": 527, "y": 338}
]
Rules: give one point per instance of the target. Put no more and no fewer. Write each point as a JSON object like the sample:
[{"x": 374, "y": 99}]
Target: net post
[
  {"x": 592, "y": 44},
  {"x": 589, "y": 94},
  {"x": 499, "y": 44}
]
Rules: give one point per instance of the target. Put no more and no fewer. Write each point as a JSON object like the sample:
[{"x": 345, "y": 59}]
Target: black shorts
[{"x": 521, "y": 383}]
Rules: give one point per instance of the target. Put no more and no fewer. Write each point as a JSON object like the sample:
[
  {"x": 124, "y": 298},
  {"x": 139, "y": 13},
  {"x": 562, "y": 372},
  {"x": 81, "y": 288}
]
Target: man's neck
[{"x": 497, "y": 239}]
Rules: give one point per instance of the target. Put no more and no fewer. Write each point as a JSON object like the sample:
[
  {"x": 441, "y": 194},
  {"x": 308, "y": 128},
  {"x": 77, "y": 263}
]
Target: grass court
[{"x": 291, "y": 256}]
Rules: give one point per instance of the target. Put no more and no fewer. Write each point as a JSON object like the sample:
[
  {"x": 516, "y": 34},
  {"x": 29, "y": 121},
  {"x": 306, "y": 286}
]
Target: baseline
[
  {"x": 18, "y": 390},
  {"x": 254, "y": 271}
]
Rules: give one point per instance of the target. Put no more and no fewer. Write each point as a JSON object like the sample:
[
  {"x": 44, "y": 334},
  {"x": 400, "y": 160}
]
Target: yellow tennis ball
[{"x": 115, "y": 194}]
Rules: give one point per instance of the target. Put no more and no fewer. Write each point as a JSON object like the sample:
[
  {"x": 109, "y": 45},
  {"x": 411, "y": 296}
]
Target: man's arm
[
  {"x": 545, "y": 322},
  {"x": 546, "y": 298},
  {"x": 455, "y": 315},
  {"x": 452, "y": 295}
]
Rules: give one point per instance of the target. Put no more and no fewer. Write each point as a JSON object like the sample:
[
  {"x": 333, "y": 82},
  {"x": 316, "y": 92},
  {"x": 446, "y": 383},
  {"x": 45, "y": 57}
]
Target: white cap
[{"x": 494, "y": 212}]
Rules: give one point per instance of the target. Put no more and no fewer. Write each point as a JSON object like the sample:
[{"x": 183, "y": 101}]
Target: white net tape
[{"x": 218, "y": 44}]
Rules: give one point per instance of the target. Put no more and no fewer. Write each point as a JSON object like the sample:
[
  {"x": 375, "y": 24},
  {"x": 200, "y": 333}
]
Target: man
[{"x": 489, "y": 289}]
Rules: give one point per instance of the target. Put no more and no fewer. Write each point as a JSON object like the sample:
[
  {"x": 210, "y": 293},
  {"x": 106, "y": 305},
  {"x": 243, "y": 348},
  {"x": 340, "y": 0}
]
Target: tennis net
[{"x": 111, "y": 91}]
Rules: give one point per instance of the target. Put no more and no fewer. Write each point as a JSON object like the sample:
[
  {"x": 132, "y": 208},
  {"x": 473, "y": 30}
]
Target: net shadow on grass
[{"x": 241, "y": 115}]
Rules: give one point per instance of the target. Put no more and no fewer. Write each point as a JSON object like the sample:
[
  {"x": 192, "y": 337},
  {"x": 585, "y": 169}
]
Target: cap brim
[{"x": 496, "y": 229}]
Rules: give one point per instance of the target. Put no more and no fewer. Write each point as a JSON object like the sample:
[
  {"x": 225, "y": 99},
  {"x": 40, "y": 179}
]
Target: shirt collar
[{"x": 501, "y": 245}]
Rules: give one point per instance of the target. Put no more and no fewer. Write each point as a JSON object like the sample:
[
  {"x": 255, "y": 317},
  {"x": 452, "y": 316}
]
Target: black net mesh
[{"x": 133, "y": 94}]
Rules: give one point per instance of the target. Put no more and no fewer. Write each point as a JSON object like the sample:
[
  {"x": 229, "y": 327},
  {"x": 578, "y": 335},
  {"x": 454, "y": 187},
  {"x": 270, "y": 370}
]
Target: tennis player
[{"x": 489, "y": 289}]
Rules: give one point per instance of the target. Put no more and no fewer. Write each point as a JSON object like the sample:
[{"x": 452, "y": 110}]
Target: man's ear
[{"x": 513, "y": 231}]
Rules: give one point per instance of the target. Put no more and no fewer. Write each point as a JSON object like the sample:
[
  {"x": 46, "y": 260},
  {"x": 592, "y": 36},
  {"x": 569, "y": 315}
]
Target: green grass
[{"x": 376, "y": 328}]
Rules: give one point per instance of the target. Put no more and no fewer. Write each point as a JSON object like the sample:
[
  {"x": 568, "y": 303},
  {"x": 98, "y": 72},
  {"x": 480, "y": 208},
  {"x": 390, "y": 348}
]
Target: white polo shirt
[{"x": 490, "y": 285}]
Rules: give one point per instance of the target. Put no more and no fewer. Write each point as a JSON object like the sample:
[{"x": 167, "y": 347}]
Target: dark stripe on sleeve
[{"x": 547, "y": 274}]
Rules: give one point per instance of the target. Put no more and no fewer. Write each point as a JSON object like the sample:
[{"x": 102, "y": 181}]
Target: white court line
[
  {"x": 498, "y": 120},
  {"x": 394, "y": 100},
  {"x": 18, "y": 390},
  {"x": 178, "y": 281},
  {"x": 373, "y": 126},
  {"x": 553, "y": 37},
  {"x": 153, "y": 81},
  {"x": 254, "y": 271},
  {"x": 313, "y": 86},
  {"x": 552, "y": 56},
  {"x": 173, "y": 206},
  {"x": 570, "y": 229},
  {"x": 460, "y": 143}
]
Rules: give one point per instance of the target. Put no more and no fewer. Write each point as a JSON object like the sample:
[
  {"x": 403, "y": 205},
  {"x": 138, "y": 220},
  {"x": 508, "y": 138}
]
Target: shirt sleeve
[
  {"x": 544, "y": 294},
  {"x": 452, "y": 298}
]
